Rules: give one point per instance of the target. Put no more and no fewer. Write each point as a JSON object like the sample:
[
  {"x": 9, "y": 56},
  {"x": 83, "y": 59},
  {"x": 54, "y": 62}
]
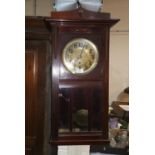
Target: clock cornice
[{"x": 81, "y": 15}]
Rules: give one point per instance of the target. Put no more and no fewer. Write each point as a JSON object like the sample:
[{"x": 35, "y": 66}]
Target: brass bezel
[{"x": 95, "y": 60}]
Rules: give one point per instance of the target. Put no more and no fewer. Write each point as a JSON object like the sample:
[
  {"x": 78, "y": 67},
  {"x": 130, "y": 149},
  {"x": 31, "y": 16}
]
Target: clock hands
[
  {"x": 82, "y": 50},
  {"x": 78, "y": 61}
]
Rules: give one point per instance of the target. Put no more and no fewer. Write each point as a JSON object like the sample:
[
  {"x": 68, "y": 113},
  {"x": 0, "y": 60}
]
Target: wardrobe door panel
[{"x": 35, "y": 84}]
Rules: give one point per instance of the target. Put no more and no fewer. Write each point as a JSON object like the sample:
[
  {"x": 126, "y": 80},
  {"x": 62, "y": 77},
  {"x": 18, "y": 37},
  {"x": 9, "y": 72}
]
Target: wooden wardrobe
[{"x": 37, "y": 87}]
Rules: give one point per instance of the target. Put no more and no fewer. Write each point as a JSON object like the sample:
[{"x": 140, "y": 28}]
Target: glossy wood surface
[
  {"x": 35, "y": 28},
  {"x": 79, "y": 14},
  {"x": 30, "y": 107}
]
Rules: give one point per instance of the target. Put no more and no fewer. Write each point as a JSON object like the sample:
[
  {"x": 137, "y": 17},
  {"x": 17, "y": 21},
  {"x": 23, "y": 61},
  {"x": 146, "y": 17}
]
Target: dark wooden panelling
[
  {"x": 35, "y": 28},
  {"x": 30, "y": 98},
  {"x": 35, "y": 93},
  {"x": 37, "y": 87}
]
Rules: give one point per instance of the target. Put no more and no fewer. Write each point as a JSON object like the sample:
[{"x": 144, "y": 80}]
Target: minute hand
[{"x": 82, "y": 51}]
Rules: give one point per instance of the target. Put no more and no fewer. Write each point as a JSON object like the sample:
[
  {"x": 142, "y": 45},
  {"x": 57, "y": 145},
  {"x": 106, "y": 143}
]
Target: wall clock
[{"x": 79, "y": 76}]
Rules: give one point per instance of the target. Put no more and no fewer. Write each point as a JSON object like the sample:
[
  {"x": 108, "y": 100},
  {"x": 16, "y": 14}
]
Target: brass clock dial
[{"x": 80, "y": 56}]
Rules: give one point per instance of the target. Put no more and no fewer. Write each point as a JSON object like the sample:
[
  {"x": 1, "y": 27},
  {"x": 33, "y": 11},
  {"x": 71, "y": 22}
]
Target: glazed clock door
[
  {"x": 82, "y": 104},
  {"x": 80, "y": 107}
]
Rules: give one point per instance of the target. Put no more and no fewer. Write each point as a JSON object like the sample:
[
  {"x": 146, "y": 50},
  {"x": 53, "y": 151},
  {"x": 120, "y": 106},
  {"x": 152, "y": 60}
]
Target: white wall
[
  {"x": 38, "y": 7},
  {"x": 119, "y": 47},
  {"x": 29, "y": 8},
  {"x": 119, "y": 71},
  {"x": 118, "y": 9}
]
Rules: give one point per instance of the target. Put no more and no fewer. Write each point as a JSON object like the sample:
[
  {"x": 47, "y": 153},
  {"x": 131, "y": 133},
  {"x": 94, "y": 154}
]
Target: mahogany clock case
[{"x": 86, "y": 94}]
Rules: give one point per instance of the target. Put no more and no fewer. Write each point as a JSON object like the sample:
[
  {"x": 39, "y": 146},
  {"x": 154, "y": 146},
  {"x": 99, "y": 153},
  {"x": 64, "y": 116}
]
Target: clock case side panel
[
  {"x": 54, "y": 85},
  {"x": 106, "y": 84}
]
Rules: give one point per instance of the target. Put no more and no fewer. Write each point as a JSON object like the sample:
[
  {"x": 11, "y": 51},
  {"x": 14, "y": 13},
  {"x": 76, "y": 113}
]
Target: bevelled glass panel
[
  {"x": 97, "y": 120},
  {"x": 64, "y": 104},
  {"x": 80, "y": 107},
  {"x": 80, "y": 110}
]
